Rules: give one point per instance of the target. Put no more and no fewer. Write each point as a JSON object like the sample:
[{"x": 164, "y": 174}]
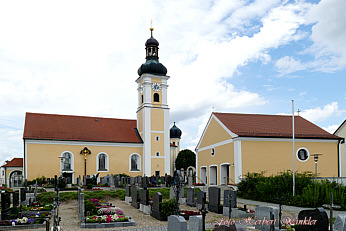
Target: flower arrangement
[
  {"x": 186, "y": 213},
  {"x": 110, "y": 211},
  {"x": 106, "y": 218}
]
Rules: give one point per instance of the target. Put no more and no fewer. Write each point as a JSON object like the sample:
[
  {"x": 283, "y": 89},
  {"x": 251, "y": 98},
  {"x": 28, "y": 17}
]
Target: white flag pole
[{"x": 294, "y": 180}]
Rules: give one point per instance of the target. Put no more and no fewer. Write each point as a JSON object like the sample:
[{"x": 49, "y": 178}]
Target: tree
[{"x": 185, "y": 159}]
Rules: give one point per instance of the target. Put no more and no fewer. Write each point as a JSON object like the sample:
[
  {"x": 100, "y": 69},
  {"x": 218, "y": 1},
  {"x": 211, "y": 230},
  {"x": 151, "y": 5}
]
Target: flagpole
[{"x": 294, "y": 180}]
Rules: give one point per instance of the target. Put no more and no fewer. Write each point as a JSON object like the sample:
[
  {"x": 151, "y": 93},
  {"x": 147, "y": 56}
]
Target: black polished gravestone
[
  {"x": 16, "y": 198},
  {"x": 226, "y": 228},
  {"x": 156, "y": 209},
  {"x": 135, "y": 197},
  {"x": 5, "y": 205},
  {"x": 22, "y": 195},
  {"x": 128, "y": 190},
  {"x": 227, "y": 194},
  {"x": 312, "y": 220},
  {"x": 214, "y": 200},
  {"x": 190, "y": 194},
  {"x": 145, "y": 197}
]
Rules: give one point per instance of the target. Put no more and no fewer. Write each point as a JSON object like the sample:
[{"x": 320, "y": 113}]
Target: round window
[{"x": 303, "y": 154}]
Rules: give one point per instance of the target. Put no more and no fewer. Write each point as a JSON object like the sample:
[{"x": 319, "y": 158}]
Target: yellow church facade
[
  {"x": 75, "y": 146},
  {"x": 234, "y": 144}
]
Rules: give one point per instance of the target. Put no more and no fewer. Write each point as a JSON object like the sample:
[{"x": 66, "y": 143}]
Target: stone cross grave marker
[
  {"x": 190, "y": 194},
  {"x": 270, "y": 214},
  {"x": 214, "y": 200},
  {"x": 331, "y": 206},
  {"x": 156, "y": 210}
]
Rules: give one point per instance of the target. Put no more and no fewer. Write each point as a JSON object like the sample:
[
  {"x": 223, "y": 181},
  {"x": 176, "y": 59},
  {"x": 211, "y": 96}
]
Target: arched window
[
  {"x": 135, "y": 162},
  {"x": 102, "y": 162},
  {"x": 156, "y": 97},
  {"x": 67, "y": 160}
]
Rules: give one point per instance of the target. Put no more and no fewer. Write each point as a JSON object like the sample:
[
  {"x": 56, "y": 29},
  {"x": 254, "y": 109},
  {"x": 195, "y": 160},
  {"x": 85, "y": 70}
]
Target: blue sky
[{"x": 81, "y": 58}]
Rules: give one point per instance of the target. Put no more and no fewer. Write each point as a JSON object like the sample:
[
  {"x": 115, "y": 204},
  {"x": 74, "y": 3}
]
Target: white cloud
[
  {"x": 287, "y": 65},
  {"x": 319, "y": 114},
  {"x": 331, "y": 128}
]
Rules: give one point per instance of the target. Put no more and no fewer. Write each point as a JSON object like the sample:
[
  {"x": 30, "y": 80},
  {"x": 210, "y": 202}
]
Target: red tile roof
[
  {"x": 257, "y": 125},
  {"x": 15, "y": 162},
  {"x": 79, "y": 128}
]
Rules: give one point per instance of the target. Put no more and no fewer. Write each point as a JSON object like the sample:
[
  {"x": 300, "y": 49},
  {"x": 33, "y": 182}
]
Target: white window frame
[
  {"x": 139, "y": 163},
  {"x": 106, "y": 162},
  {"x": 72, "y": 162},
  {"x": 307, "y": 151}
]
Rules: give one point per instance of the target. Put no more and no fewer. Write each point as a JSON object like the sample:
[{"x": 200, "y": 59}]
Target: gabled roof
[
  {"x": 337, "y": 130},
  {"x": 15, "y": 162},
  {"x": 259, "y": 125},
  {"x": 80, "y": 128}
]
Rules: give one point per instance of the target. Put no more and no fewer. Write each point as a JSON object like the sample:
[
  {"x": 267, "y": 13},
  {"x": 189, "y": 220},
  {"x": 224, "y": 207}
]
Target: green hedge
[{"x": 308, "y": 193}]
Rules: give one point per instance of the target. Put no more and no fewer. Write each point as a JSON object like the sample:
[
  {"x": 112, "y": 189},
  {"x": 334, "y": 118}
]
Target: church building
[
  {"x": 74, "y": 146},
  {"x": 233, "y": 145}
]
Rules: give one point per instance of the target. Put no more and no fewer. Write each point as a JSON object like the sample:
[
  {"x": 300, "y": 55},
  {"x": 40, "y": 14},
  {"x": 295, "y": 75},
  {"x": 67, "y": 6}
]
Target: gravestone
[
  {"x": 214, "y": 200},
  {"x": 144, "y": 206},
  {"x": 201, "y": 198},
  {"x": 156, "y": 209},
  {"x": 145, "y": 182},
  {"x": 111, "y": 183},
  {"x": 132, "y": 181},
  {"x": 176, "y": 223},
  {"x": 226, "y": 203},
  {"x": 226, "y": 228},
  {"x": 139, "y": 180},
  {"x": 190, "y": 195},
  {"x": 84, "y": 180},
  {"x": 5, "y": 205},
  {"x": 340, "y": 223},
  {"x": 16, "y": 198},
  {"x": 269, "y": 217},
  {"x": 317, "y": 219},
  {"x": 189, "y": 180},
  {"x": 35, "y": 191},
  {"x": 128, "y": 194},
  {"x": 48, "y": 180},
  {"x": 135, "y": 197},
  {"x": 22, "y": 195},
  {"x": 171, "y": 193},
  {"x": 195, "y": 223}
]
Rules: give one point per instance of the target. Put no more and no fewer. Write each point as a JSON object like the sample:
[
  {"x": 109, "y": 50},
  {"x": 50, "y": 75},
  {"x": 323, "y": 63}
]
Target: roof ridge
[{"x": 92, "y": 117}]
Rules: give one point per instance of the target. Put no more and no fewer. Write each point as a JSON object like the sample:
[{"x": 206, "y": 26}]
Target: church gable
[{"x": 214, "y": 132}]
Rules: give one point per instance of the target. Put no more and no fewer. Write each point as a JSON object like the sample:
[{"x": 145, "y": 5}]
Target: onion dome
[
  {"x": 152, "y": 65},
  {"x": 175, "y": 132}
]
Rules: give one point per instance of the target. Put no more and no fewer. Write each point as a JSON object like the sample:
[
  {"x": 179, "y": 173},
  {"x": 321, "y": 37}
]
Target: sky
[{"x": 81, "y": 58}]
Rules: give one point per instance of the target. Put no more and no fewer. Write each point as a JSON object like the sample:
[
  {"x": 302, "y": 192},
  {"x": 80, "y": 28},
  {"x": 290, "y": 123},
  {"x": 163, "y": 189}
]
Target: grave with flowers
[
  {"x": 101, "y": 214},
  {"x": 14, "y": 215}
]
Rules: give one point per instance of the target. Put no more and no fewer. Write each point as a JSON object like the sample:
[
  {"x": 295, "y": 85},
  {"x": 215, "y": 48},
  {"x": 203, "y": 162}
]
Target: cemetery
[{"x": 169, "y": 199}]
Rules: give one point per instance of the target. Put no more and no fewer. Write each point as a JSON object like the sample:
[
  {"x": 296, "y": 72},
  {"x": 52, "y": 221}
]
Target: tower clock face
[{"x": 156, "y": 87}]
